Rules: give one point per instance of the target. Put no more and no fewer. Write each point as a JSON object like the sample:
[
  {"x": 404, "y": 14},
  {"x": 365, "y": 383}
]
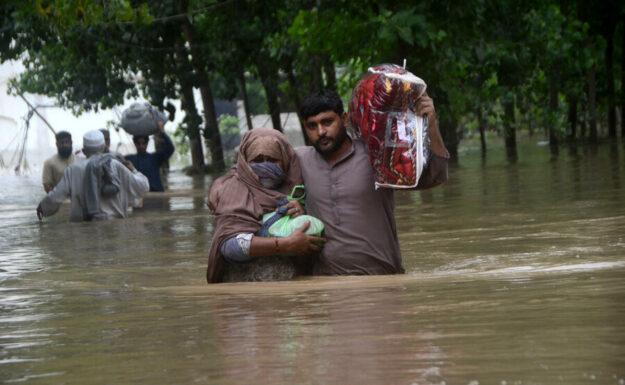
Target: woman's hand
[
  {"x": 294, "y": 208},
  {"x": 301, "y": 243}
]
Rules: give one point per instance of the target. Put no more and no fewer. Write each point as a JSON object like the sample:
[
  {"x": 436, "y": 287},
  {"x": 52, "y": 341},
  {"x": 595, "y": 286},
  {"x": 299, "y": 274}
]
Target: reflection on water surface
[{"x": 515, "y": 276}]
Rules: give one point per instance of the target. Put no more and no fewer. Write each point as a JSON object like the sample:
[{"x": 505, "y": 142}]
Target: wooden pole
[{"x": 37, "y": 112}]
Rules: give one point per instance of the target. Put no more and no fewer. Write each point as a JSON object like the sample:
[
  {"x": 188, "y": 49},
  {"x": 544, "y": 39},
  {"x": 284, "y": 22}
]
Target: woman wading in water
[{"x": 266, "y": 171}]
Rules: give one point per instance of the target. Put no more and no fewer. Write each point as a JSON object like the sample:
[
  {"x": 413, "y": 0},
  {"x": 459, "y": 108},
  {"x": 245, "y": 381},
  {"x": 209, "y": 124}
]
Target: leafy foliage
[{"x": 504, "y": 66}]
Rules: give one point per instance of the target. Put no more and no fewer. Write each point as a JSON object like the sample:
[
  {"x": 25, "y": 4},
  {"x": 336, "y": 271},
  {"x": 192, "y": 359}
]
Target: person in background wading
[
  {"x": 54, "y": 166},
  {"x": 266, "y": 171},
  {"x": 107, "y": 146},
  {"x": 150, "y": 163},
  {"x": 100, "y": 188}
]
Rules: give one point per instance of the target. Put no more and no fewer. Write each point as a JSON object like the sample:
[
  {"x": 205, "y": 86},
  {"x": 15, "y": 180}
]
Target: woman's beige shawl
[{"x": 238, "y": 200}]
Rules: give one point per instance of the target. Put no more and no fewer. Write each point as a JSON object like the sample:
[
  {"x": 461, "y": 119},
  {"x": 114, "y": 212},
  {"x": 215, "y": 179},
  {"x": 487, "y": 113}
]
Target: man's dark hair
[
  {"x": 136, "y": 138},
  {"x": 63, "y": 135},
  {"x": 321, "y": 101}
]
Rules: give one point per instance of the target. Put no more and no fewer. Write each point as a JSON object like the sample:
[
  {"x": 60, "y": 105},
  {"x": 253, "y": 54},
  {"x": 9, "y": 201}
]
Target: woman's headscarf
[{"x": 238, "y": 200}]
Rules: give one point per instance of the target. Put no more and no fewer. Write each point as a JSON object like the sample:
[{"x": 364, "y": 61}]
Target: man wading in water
[
  {"x": 54, "y": 167},
  {"x": 150, "y": 163},
  {"x": 359, "y": 220}
]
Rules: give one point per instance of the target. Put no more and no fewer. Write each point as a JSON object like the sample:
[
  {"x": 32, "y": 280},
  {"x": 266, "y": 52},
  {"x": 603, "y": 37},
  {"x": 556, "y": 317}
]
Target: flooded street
[{"x": 515, "y": 275}]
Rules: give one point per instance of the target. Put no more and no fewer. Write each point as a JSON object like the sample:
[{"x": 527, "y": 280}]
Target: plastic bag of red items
[{"x": 381, "y": 113}]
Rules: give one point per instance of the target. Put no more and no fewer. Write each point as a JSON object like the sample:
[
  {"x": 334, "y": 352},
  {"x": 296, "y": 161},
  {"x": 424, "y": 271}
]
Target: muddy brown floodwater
[{"x": 515, "y": 275}]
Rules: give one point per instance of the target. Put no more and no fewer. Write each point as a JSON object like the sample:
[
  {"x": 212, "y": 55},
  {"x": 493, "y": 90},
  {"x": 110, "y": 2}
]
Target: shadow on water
[{"x": 514, "y": 275}]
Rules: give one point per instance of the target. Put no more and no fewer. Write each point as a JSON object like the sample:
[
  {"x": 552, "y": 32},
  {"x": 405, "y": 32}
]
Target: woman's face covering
[
  {"x": 270, "y": 173},
  {"x": 266, "y": 158}
]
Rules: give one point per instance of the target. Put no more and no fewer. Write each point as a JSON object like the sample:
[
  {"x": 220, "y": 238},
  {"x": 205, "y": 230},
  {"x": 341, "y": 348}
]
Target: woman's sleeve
[{"x": 237, "y": 248}]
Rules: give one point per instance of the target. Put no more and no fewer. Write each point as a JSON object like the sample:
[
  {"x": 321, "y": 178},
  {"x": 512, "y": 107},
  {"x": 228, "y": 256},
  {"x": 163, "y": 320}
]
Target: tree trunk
[
  {"x": 572, "y": 116},
  {"x": 212, "y": 137},
  {"x": 510, "y": 131},
  {"x": 192, "y": 118},
  {"x": 269, "y": 79},
  {"x": 296, "y": 99},
  {"x": 609, "y": 67},
  {"x": 530, "y": 126},
  {"x": 481, "y": 124},
  {"x": 583, "y": 120},
  {"x": 197, "y": 154},
  {"x": 592, "y": 105},
  {"x": 450, "y": 137},
  {"x": 211, "y": 127},
  {"x": 246, "y": 102},
  {"x": 315, "y": 80},
  {"x": 447, "y": 126},
  {"x": 328, "y": 68},
  {"x": 623, "y": 82},
  {"x": 553, "y": 108}
]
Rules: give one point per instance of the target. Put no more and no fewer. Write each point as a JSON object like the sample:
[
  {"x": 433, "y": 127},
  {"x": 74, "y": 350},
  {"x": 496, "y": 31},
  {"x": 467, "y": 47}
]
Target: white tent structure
[{"x": 14, "y": 140}]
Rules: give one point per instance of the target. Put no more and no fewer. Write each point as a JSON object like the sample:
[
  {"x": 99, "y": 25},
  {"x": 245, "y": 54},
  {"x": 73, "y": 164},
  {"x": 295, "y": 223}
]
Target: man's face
[
  {"x": 326, "y": 131},
  {"x": 142, "y": 145},
  {"x": 64, "y": 147}
]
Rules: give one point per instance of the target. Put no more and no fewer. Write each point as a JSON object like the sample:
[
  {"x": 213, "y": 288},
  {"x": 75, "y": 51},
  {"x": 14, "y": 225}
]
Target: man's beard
[
  {"x": 337, "y": 142},
  {"x": 65, "y": 152}
]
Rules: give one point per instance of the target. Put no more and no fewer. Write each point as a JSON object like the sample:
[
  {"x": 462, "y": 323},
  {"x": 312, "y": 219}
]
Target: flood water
[{"x": 515, "y": 275}]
